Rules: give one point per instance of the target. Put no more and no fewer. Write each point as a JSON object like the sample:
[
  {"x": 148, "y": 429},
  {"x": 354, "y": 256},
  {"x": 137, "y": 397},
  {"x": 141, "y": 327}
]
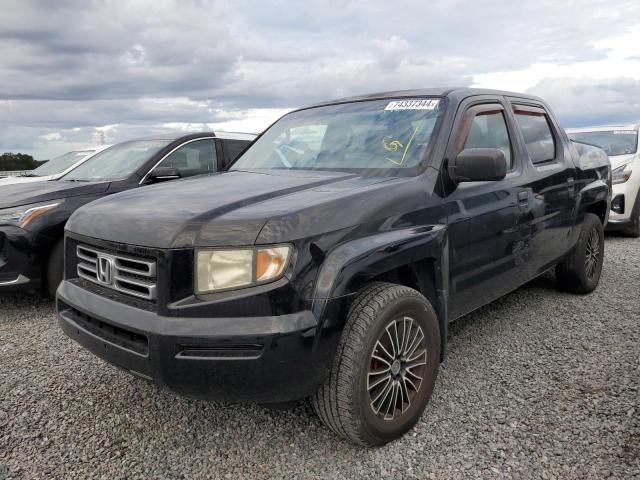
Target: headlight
[
  {"x": 24, "y": 215},
  {"x": 621, "y": 174},
  {"x": 218, "y": 270}
]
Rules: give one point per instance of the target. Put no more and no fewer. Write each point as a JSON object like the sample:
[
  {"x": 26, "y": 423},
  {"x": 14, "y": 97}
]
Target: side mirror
[
  {"x": 479, "y": 165},
  {"x": 162, "y": 174}
]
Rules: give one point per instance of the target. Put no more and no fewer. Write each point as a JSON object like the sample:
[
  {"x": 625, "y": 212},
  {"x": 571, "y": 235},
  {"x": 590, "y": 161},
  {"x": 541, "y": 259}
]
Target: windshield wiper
[{"x": 30, "y": 175}]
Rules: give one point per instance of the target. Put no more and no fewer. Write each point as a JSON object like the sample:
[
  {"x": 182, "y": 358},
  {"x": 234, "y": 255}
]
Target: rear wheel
[
  {"x": 385, "y": 368},
  {"x": 580, "y": 272},
  {"x": 54, "y": 269},
  {"x": 633, "y": 229}
]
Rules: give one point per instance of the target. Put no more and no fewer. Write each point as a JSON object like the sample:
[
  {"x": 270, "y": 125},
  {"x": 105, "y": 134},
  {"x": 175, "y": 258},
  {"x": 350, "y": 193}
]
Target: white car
[
  {"x": 56, "y": 167},
  {"x": 620, "y": 142}
]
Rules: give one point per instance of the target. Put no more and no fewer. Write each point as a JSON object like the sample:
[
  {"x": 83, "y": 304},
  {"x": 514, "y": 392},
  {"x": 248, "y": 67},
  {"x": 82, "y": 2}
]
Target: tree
[{"x": 17, "y": 161}]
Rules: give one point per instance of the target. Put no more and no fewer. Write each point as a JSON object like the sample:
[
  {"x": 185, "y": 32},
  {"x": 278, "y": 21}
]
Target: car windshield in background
[
  {"x": 613, "y": 142},
  {"x": 379, "y": 136},
  {"x": 117, "y": 162},
  {"x": 59, "y": 164}
]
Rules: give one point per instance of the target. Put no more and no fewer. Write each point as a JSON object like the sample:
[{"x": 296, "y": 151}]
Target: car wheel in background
[
  {"x": 385, "y": 368},
  {"x": 54, "y": 269},
  {"x": 580, "y": 271},
  {"x": 633, "y": 230}
]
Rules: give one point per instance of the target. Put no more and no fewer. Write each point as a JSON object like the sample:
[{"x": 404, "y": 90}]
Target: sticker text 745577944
[{"x": 413, "y": 104}]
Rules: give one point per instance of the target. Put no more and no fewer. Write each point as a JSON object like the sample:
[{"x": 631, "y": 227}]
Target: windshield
[
  {"x": 117, "y": 162},
  {"x": 613, "y": 142},
  {"x": 59, "y": 164},
  {"x": 383, "y": 137}
]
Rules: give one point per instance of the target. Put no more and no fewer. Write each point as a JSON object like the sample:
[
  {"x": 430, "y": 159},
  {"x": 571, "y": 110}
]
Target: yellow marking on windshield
[
  {"x": 401, "y": 162},
  {"x": 391, "y": 146}
]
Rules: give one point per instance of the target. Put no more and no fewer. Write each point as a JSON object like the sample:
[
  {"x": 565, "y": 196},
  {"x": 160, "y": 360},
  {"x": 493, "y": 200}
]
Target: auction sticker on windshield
[{"x": 413, "y": 104}]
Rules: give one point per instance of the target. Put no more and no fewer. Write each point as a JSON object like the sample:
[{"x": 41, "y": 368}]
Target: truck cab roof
[{"x": 455, "y": 93}]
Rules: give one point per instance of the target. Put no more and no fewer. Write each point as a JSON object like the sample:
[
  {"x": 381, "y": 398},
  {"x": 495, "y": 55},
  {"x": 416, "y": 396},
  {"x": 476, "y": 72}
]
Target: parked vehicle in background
[
  {"x": 330, "y": 258},
  {"x": 13, "y": 173},
  {"x": 33, "y": 215},
  {"x": 56, "y": 167},
  {"x": 620, "y": 142}
]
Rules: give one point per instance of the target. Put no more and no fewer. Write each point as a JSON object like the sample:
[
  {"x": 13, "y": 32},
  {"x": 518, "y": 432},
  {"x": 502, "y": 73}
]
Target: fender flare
[
  {"x": 593, "y": 192},
  {"x": 353, "y": 262}
]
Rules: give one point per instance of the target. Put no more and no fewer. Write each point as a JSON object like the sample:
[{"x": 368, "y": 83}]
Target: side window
[
  {"x": 489, "y": 130},
  {"x": 233, "y": 148},
  {"x": 194, "y": 158},
  {"x": 537, "y": 135}
]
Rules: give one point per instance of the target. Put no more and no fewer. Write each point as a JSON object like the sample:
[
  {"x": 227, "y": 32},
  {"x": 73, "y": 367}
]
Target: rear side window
[
  {"x": 536, "y": 131},
  {"x": 233, "y": 148},
  {"x": 490, "y": 131},
  {"x": 194, "y": 158}
]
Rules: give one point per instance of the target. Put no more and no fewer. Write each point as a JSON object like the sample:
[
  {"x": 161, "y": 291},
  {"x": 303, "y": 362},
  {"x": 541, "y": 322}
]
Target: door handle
[{"x": 523, "y": 197}]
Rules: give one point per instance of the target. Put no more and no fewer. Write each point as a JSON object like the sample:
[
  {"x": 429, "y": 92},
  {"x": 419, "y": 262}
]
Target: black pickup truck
[{"x": 329, "y": 259}]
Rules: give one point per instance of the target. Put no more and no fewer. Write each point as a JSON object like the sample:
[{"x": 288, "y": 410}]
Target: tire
[
  {"x": 580, "y": 271},
  {"x": 347, "y": 401},
  {"x": 54, "y": 269},
  {"x": 633, "y": 229}
]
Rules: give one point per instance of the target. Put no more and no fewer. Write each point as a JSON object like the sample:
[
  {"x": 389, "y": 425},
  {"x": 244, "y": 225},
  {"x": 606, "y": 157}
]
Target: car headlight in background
[
  {"x": 218, "y": 269},
  {"x": 621, "y": 174},
  {"x": 22, "y": 216}
]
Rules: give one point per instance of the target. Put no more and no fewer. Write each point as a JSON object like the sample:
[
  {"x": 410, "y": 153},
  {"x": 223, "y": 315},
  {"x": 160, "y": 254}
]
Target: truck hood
[
  {"x": 227, "y": 209},
  {"x": 18, "y": 194}
]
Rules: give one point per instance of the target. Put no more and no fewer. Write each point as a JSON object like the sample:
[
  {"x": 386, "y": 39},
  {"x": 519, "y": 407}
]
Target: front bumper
[
  {"x": 622, "y": 203},
  {"x": 20, "y": 268},
  {"x": 266, "y": 359}
]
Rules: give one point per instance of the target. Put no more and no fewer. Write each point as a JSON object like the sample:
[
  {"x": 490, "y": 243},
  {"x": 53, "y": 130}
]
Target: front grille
[{"x": 125, "y": 274}]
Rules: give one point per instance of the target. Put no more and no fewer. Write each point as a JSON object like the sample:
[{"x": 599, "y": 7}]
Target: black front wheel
[
  {"x": 385, "y": 368},
  {"x": 580, "y": 271}
]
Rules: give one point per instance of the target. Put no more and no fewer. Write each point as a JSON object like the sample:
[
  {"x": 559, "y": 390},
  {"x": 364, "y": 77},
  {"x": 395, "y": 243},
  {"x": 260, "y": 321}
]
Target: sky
[{"x": 78, "y": 72}]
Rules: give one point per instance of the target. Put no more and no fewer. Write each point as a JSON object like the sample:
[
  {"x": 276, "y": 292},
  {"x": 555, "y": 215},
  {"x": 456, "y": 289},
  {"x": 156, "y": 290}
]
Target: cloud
[
  {"x": 147, "y": 63},
  {"x": 588, "y": 101}
]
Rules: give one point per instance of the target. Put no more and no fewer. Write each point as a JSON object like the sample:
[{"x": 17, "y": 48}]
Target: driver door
[{"x": 485, "y": 238}]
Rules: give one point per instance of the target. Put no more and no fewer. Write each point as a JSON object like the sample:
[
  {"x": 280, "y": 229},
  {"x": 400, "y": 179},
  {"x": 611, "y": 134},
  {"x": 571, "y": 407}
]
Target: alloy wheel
[
  {"x": 397, "y": 368},
  {"x": 592, "y": 254}
]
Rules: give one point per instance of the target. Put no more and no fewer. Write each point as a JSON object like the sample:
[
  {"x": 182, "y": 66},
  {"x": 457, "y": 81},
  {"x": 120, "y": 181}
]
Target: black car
[
  {"x": 32, "y": 216},
  {"x": 330, "y": 258}
]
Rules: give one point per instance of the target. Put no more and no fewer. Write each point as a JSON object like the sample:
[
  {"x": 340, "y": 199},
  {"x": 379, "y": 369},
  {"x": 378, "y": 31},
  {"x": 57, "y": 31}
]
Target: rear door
[
  {"x": 551, "y": 185},
  {"x": 486, "y": 249}
]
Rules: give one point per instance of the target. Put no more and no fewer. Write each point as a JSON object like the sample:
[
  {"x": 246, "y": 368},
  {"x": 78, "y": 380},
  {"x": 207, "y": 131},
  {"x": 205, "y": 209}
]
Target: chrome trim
[
  {"x": 122, "y": 279},
  {"x": 146, "y": 175},
  {"x": 21, "y": 280},
  {"x": 222, "y": 135}
]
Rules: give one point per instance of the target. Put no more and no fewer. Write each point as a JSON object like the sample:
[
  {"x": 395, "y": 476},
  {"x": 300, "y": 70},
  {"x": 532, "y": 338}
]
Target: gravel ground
[{"x": 540, "y": 384}]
